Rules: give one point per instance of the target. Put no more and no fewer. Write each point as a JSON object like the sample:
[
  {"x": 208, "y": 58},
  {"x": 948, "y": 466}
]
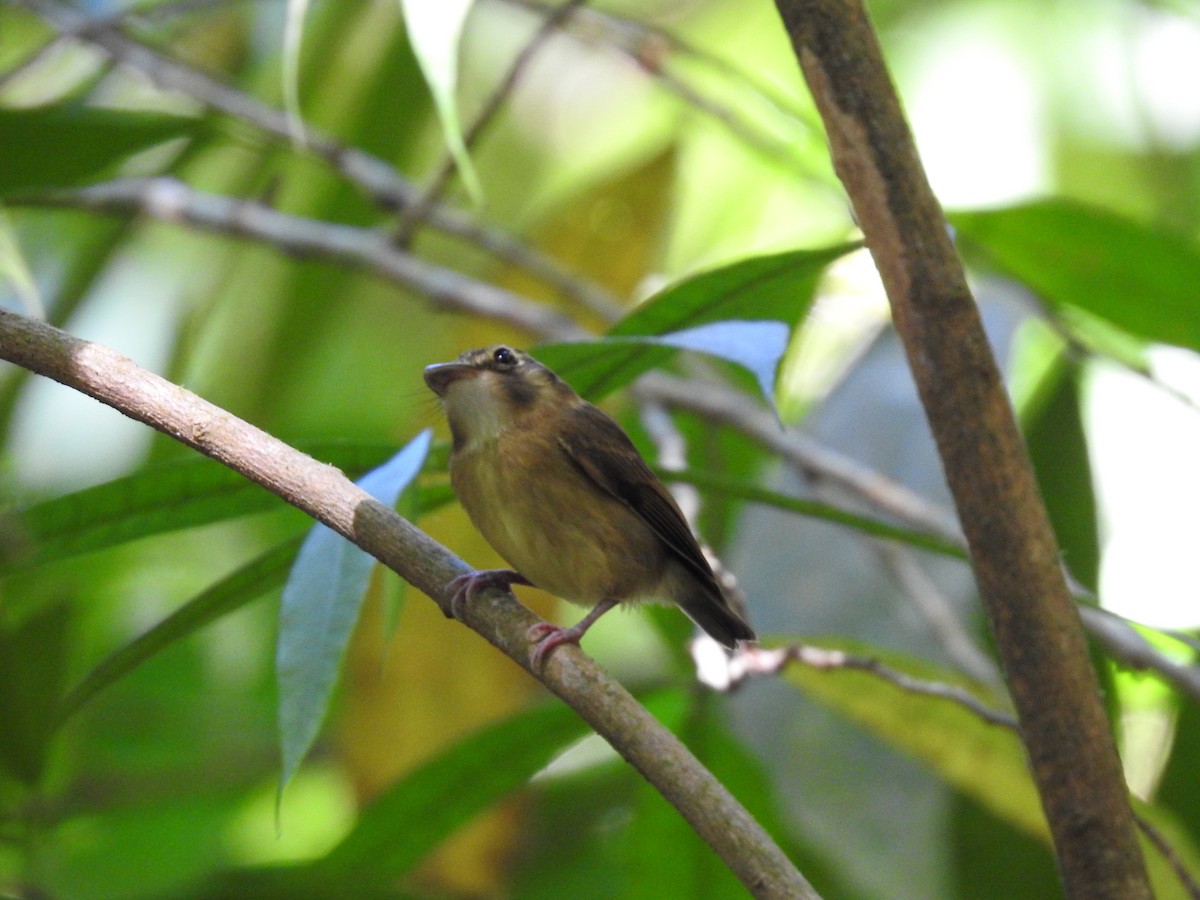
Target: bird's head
[{"x": 485, "y": 392}]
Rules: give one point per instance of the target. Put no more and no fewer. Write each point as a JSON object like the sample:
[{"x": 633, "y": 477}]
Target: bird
[{"x": 561, "y": 492}]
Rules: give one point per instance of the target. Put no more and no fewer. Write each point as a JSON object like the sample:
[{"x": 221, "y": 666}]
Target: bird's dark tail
[{"x": 717, "y": 618}]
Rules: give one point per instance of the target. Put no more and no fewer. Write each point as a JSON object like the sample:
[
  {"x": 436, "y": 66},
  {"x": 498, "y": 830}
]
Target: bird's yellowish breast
[{"x": 553, "y": 524}]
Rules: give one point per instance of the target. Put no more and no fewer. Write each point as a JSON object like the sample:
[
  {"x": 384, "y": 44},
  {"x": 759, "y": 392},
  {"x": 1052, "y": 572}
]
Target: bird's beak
[{"x": 440, "y": 376}]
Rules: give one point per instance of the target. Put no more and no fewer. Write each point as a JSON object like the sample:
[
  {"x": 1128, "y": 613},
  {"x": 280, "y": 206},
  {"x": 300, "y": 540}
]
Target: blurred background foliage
[{"x": 642, "y": 143}]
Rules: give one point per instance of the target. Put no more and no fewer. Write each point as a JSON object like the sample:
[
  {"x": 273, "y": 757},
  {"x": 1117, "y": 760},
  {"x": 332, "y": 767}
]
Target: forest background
[{"x": 256, "y": 201}]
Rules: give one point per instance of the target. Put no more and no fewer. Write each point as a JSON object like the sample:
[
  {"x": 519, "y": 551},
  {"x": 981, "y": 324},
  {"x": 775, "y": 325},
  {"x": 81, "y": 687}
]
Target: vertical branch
[{"x": 1013, "y": 550}]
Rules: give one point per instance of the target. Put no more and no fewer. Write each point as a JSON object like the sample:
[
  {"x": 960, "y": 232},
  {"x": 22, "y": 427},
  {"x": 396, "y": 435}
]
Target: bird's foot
[
  {"x": 465, "y": 587},
  {"x": 548, "y": 636}
]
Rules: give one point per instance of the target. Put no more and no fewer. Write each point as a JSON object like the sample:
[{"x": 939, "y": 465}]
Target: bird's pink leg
[
  {"x": 465, "y": 587},
  {"x": 550, "y": 636}
]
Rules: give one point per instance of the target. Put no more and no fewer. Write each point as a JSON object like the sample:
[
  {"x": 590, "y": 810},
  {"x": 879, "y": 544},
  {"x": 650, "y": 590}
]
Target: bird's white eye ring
[{"x": 504, "y": 357}]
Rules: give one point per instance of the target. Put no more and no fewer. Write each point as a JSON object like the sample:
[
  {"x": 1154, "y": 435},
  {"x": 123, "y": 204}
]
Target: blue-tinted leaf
[
  {"x": 319, "y": 607},
  {"x": 776, "y": 288},
  {"x": 756, "y": 346}
]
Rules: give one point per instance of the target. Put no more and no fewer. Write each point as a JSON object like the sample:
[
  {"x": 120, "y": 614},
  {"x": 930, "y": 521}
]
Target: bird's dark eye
[{"x": 504, "y": 357}]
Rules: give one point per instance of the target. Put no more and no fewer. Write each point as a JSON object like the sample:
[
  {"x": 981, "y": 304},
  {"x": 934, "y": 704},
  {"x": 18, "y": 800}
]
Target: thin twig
[
  {"x": 326, "y": 494},
  {"x": 758, "y": 661},
  {"x": 937, "y": 611},
  {"x": 811, "y": 458},
  {"x": 648, "y": 48},
  {"x": 1186, "y": 880},
  {"x": 170, "y": 200},
  {"x": 635, "y": 38},
  {"x": 1129, "y": 648},
  {"x": 417, "y": 211},
  {"x": 376, "y": 178}
]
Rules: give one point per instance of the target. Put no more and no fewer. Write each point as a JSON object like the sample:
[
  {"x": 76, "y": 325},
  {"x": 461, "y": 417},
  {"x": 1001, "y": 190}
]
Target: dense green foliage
[{"x": 672, "y": 155}]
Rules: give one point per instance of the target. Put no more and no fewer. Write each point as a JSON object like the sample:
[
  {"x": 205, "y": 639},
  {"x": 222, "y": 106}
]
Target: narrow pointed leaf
[
  {"x": 776, "y": 288},
  {"x": 981, "y": 759},
  {"x": 157, "y": 500},
  {"x": 319, "y": 608},
  {"x": 428, "y": 804},
  {"x": 229, "y": 594},
  {"x": 435, "y": 30}
]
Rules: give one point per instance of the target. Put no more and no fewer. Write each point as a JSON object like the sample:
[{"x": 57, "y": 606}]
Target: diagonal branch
[
  {"x": 326, "y": 494},
  {"x": 1033, "y": 618},
  {"x": 170, "y": 200}
]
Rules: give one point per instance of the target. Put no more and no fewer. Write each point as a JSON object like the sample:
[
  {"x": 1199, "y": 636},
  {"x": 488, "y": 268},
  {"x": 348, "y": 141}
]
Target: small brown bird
[{"x": 560, "y": 491}]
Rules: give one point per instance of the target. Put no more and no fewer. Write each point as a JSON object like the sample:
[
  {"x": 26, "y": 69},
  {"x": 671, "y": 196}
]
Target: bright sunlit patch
[
  {"x": 1146, "y": 730},
  {"x": 1145, "y": 442},
  {"x": 1167, "y": 60},
  {"x": 586, "y": 753},
  {"x": 849, "y": 310},
  {"x": 318, "y": 811},
  {"x": 976, "y": 114}
]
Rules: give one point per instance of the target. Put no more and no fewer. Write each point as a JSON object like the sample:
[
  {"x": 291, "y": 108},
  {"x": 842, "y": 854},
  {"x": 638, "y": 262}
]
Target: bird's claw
[
  {"x": 464, "y": 588},
  {"x": 546, "y": 637}
]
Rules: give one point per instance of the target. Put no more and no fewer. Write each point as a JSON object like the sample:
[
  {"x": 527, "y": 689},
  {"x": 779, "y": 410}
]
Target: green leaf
[
  {"x": 227, "y": 595},
  {"x": 428, "y": 804},
  {"x": 68, "y": 145},
  {"x": 293, "y": 35},
  {"x": 984, "y": 761},
  {"x": 155, "y": 500},
  {"x": 663, "y": 856},
  {"x": 319, "y": 608},
  {"x": 1139, "y": 278},
  {"x": 159, "y": 499},
  {"x": 33, "y": 657},
  {"x": 776, "y": 288},
  {"x": 992, "y": 860},
  {"x": 435, "y": 31},
  {"x": 1054, "y": 432},
  {"x": 14, "y": 271}
]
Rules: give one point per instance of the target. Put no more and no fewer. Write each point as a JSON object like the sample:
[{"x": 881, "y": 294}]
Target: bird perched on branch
[{"x": 560, "y": 491}]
